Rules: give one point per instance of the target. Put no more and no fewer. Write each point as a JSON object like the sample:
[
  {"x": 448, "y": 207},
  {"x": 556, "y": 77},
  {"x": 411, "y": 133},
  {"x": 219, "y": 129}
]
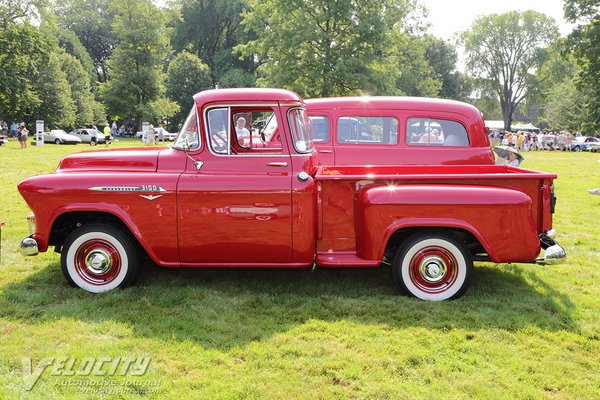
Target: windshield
[{"x": 189, "y": 136}]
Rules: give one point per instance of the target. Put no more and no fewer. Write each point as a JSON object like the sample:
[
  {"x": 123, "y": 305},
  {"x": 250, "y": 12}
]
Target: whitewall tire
[
  {"x": 433, "y": 266},
  {"x": 98, "y": 258}
]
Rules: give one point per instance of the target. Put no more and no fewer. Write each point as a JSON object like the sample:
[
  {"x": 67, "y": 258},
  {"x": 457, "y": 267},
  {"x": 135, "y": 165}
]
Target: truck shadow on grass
[{"x": 231, "y": 307}]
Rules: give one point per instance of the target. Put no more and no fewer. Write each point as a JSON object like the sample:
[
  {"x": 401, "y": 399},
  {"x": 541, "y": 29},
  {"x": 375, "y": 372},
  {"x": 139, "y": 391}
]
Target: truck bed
[{"x": 429, "y": 193}]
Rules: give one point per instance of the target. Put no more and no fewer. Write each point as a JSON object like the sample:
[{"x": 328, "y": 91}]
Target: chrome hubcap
[
  {"x": 433, "y": 269},
  {"x": 98, "y": 262}
]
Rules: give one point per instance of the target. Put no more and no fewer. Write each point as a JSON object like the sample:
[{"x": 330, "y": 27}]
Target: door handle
[
  {"x": 278, "y": 164},
  {"x": 326, "y": 151}
]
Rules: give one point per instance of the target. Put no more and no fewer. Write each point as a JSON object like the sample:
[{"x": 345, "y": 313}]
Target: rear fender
[{"x": 499, "y": 218}]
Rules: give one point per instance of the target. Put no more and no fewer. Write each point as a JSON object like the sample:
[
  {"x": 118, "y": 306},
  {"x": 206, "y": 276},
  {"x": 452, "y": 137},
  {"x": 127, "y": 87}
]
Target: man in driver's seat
[{"x": 243, "y": 135}]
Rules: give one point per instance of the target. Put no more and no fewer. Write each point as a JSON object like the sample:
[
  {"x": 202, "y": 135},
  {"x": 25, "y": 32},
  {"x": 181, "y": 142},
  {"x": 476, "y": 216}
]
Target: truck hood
[{"x": 122, "y": 160}]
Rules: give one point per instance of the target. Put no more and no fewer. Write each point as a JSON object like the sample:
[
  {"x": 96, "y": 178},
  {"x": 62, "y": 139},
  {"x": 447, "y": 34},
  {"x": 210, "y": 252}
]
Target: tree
[
  {"x": 136, "y": 81},
  {"x": 57, "y": 107},
  {"x": 506, "y": 50},
  {"x": 91, "y": 21},
  {"x": 584, "y": 42},
  {"x": 323, "y": 48},
  {"x": 442, "y": 57},
  {"x": 87, "y": 110},
  {"x": 186, "y": 76},
  {"x": 564, "y": 106},
  {"x": 19, "y": 10},
  {"x": 23, "y": 50},
  {"x": 210, "y": 29}
]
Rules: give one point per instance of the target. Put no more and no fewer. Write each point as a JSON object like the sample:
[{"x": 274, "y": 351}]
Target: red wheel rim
[
  {"x": 97, "y": 262},
  {"x": 433, "y": 269}
]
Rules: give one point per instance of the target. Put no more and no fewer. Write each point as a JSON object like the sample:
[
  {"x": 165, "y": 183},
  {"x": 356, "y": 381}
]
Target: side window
[
  {"x": 243, "y": 130},
  {"x": 435, "y": 132},
  {"x": 218, "y": 129},
  {"x": 320, "y": 128},
  {"x": 367, "y": 130}
]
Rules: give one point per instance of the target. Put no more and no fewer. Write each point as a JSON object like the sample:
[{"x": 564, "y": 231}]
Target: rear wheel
[
  {"x": 99, "y": 258},
  {"x": 57, "y": 141},
  {"x": 577, "y": 149},
  {"x": 433, "y": 266},
  {"x": 93, "y": 141}
]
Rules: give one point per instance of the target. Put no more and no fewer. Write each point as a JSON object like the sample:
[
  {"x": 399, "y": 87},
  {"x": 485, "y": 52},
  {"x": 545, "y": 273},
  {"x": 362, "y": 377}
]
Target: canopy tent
[
  {"x": 524, "y": 127},
  {"x": 499, "y": 125}
]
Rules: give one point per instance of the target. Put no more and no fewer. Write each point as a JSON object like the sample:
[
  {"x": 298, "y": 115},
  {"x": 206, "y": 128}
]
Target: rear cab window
[
  {"x": 320, "y": 128},
  {"x": 367, "y": 130},
  {"x": 436, "y": 132}
]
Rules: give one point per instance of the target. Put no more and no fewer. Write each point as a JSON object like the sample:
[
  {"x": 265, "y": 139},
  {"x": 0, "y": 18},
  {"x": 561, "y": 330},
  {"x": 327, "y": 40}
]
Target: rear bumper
[{"x": 553, "y": 252}]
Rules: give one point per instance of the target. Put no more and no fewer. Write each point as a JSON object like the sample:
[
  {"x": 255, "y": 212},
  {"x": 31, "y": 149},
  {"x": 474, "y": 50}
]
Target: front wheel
[
  {"x": 57, "y": 141},
  {"x": 99, "y": 258},
  {"x": 433, "y": 266}
]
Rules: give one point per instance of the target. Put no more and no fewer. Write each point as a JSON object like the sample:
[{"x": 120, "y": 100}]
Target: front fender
[{"x": 500, "y": 218}]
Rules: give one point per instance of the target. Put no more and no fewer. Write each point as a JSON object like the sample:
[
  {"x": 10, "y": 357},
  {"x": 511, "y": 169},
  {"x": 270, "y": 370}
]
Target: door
[
  {"x": 321, "y": 128},
  {"x": 236, "y": 209}
]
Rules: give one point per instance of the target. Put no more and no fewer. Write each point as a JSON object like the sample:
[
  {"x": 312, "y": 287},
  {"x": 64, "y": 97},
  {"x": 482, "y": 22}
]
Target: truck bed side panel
[{"x": 500, "y": 218}]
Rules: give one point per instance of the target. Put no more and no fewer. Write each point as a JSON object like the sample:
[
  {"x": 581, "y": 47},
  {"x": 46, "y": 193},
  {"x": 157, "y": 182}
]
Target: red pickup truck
[
  {"x": 398, "y": 130},
  {"x": 217, "y": 199}
]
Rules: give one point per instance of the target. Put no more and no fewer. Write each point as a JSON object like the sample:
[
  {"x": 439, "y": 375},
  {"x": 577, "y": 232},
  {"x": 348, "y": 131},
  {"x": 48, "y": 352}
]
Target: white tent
[
  {"x": 524, "y": 127},
  {"x": 499, "y": 125},
  {"x": 494, "y": 125}
]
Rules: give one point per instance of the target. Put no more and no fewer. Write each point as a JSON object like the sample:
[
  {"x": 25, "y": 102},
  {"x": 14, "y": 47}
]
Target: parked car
[
  {"x": 3, "y": 139},
  {"x": 593, "y": 146},
  {"x": 398, "y": 130},
  {"x": 59, "y": 136},
  {"x": 581, "y": 143},
  {"x": 215, "y": 203},
  {"x": 143, "y": 135},
  {"x": 88, "y": 135}
]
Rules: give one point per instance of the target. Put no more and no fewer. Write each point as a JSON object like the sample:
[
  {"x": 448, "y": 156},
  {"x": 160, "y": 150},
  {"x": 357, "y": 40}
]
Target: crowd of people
[
  {"x": 15, "y": 130},
  {"x": 532, "y": 141}
]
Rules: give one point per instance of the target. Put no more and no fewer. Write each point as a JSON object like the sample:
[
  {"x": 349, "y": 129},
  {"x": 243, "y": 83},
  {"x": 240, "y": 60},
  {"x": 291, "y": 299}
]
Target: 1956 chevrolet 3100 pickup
[{"x": 235, "y": 191}]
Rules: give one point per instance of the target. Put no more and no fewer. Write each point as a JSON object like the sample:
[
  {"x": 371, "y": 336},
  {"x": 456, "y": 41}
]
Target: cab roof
[
  {"x": 246, "y": 94},
  {"x": 391, "y": 102}
]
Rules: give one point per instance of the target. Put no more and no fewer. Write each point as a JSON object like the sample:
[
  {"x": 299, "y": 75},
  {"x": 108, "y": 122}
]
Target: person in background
[
  {"x": 513, "y": 159},
  {"x": 14, "y": 129},
  {"x": 520, "y": 141},
  {"x": 23, "y": 134},
  {"x": 122, "y": 130},
  {"x": 107, "y": 138},
  {"x": 160, "y": 133},
  {"x": 569, "y": 141},
  {"x": 113, "y": 128}
]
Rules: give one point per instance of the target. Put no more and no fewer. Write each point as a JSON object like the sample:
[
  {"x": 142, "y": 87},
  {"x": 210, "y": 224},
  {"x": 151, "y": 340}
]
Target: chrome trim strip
[{"x": 141, "y": 188}]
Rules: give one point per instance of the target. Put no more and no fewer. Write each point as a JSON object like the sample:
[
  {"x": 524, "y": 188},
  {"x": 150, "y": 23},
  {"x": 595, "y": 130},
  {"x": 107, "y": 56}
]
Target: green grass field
[{"x": 521, "y": 331}]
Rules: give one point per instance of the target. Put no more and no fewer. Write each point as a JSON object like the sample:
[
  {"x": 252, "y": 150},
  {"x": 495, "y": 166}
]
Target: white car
[
  {"x": 593, "y": 146},
  {"x": 91, "y": 136},
  {"x": 59, "y": 136},
  {"x": 143, "y": 135}
]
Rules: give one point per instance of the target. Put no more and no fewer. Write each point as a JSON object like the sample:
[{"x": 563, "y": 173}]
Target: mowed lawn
[{"x": 521, "y": 331}]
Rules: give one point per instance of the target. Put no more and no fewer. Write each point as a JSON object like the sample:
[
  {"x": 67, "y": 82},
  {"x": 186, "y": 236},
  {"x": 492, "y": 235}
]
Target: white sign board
[{"x": 39, "y": 133}]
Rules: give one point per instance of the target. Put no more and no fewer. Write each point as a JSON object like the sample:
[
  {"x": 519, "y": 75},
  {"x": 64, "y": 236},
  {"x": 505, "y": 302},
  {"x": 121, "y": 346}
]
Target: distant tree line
[{"x": 82, "y": 62}]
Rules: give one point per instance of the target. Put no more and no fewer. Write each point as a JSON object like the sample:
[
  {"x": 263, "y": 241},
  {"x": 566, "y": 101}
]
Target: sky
[
  {"x": 450, "y": 16},
  {"x": 447, "y": 17}
]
